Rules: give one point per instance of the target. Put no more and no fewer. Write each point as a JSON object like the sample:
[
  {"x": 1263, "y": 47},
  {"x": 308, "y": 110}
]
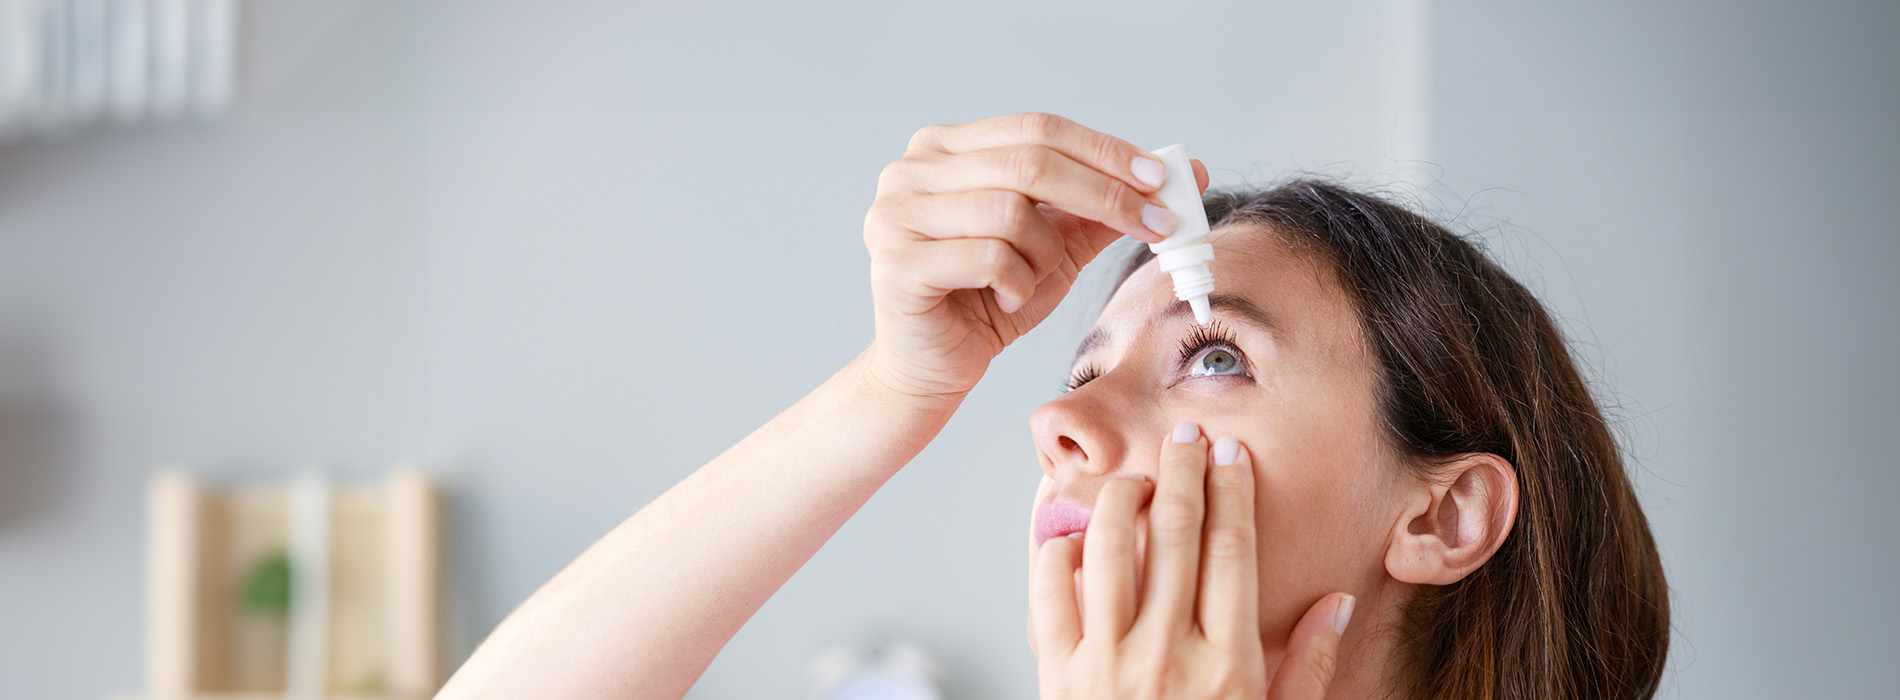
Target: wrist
[{"x": 876, "y": 383}]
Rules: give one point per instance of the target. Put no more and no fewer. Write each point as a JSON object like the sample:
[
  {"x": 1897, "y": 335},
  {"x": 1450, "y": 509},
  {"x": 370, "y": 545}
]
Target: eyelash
[
  {"x": 1083, "y": 375},
  {"x": 1203, "y": 337}
]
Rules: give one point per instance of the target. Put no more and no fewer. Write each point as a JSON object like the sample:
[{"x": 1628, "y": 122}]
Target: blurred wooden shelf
[
  {"x": 260, "y": 696},
  {"x": 348, "y": 604}
]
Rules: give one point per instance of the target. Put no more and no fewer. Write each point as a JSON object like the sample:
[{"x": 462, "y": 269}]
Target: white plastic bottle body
[{"x": 1186, "y": 254}]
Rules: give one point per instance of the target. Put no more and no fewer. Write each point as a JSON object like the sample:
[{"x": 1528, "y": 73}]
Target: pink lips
[{"x": 1060, "y": 518}]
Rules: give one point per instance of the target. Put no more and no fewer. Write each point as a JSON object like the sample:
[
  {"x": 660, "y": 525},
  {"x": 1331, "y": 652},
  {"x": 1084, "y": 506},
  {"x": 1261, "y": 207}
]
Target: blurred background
[{"x": 467, "y": 235}]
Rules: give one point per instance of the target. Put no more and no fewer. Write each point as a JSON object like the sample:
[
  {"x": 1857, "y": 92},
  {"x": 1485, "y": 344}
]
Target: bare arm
[{"x": 643, "y": 611}]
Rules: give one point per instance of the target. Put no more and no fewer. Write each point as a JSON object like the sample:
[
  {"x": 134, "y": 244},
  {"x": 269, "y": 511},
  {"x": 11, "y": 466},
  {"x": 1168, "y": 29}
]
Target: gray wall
[
  {"x": 1710, "y": 195},
  {"x": 459, "y": 233}
]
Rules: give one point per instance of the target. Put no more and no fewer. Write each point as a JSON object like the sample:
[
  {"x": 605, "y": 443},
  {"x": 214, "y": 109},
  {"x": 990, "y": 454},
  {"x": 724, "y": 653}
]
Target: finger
[
  {"x": 1085, "y": 239},
  {"x": 1174, "y": 529},
  {"x": 930, "y": 270},
  {"x": 1108, "y": 559},
  {"x": 1047, "y": 175},
  {"x": 1088, "y": 239},
  {"x": 1229, "y": 574},
  {"x": 1110, "y": 155},
  {"x": 1312, "y": 653},
  {"x": 1003, "y": 214},
  {"x": 1052, "y": 606}
]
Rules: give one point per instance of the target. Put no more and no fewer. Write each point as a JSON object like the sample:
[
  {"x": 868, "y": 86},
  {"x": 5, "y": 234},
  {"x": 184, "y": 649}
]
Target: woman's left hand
[{"x": 1194, "y": 634}]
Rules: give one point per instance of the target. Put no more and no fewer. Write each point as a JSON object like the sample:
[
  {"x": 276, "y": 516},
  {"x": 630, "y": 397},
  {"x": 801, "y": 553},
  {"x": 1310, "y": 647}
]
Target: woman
[{"x": 1376, "y": 474}]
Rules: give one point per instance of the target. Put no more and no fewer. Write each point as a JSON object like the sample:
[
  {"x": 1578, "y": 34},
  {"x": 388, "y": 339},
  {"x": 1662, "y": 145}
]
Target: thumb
[{"x": 1312, "y": 653}]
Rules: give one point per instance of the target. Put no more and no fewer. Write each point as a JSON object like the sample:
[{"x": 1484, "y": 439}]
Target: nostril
[{"x": 1070, "y": 445}]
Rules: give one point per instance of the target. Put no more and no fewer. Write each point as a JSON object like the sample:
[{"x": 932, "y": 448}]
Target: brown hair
[{"x": 1573, "y": 605}]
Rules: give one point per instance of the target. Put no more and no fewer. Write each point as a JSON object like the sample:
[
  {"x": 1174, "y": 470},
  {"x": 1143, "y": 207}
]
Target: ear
[{"x": 1454, "y": 521}]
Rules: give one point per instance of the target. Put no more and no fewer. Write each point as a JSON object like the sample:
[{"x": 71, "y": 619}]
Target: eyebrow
[{"x": 1247, "y": 312}]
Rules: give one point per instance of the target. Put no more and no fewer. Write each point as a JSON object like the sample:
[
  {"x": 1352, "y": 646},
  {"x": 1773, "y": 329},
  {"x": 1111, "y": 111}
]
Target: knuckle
[
  {"x": 883, "y": 234},
  {"x": 924, "y": 138},
  {"x": 1040, "y": 127},
  {"x": 1026, "y": 167},
  {"x": 876, "y": 219},
  {"x": 1049, "y": 590},
  {"x": 997, "y": 257},
  {"x": 1119, "y": 198},
  {"x": 1120, "y": 490},
  {"x": 1055, "y": 685},
  {"x": 1185, "y": 457},
  {"x": 1175, "y": 515},
  {"x": 1224, "y": 676},
  {"x": 1237, "y": 678},
  {"x": 891, "y": 175},
  {"x": 1229, "y": 542},
  {"x": 1320, "y": 669},
  {"x": 1233, "y": 477},
  {"x": 1161, "y": 654},
  {"x": 1010, "y": 211},
  {"x": 1098, "y": 656},
  {"x": 885, "y": 269},
  {"x": 873, "y": 228},
  {"x": 1107, "y": 150},
  {"x": 1151, "y": 673}
]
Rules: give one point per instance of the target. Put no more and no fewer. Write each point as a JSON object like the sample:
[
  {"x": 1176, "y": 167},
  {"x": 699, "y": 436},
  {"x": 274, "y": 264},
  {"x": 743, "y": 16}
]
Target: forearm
[{"x": 642, "y": 612}]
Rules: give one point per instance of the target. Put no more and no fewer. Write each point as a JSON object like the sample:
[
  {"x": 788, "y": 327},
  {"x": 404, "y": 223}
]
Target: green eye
[{"x": 1216, "y": 362}]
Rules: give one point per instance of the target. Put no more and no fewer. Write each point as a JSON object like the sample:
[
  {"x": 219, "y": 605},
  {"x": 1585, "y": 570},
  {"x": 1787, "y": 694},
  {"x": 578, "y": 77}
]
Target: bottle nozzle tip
[{"x": 1203, "y": 314}]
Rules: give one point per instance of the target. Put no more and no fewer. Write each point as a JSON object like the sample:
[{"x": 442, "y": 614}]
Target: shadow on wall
[
  {"x": 34, "y": 479},
  {"x": 464, "y": 561}
]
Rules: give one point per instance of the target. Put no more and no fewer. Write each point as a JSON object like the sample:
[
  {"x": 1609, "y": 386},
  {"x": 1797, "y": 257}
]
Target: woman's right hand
[{"x": 980, "y": 229}]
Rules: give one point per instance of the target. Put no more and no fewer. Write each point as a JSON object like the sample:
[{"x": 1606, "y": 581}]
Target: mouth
[{"x": 1059, "y": 518}]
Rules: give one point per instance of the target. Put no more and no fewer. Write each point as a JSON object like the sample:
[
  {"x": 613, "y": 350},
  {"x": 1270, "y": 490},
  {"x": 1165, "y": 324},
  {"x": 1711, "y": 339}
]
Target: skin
[
  {"x": 1302, "y": 405},
  {"x": 976, "y": 235}
]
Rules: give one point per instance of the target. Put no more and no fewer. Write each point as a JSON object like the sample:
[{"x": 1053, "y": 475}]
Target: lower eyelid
[{"x": 1237, "y": 375}]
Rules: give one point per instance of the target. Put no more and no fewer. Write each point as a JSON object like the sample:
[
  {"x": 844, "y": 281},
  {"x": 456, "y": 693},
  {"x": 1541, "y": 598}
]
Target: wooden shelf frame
[{"x": 375, "y": 621}]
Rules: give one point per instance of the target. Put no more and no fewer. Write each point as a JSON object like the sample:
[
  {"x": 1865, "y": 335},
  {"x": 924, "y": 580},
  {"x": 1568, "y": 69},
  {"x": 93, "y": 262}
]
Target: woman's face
[{"x": 1284, "y": 369}]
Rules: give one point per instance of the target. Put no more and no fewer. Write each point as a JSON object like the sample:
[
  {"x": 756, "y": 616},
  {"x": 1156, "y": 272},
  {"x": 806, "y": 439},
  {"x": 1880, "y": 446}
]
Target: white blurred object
[
  {"x": 310, "y": 523},
  {"x": 68, "y": 64},
  {"x": 901, "y": 672}
]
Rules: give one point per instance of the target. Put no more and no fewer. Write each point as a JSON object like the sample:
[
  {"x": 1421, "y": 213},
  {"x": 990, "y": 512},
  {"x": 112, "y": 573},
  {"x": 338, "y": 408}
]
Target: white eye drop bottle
[{"x": 1185, "y": 255}]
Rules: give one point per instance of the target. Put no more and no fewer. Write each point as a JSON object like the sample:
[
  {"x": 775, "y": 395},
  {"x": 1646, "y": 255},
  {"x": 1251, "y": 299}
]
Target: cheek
[{"x": 1317, "y": 508}]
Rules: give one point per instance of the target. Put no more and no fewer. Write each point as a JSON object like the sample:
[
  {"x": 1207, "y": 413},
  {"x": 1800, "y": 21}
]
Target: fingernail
[
  {"x": 1343, "y": 616},
  {"x": 1149, "y": 170},
  {"x": 1226, "y": 451},
  {"x": 1157, "y": 219},
  {"x": 1187, "y": 432},
  {"x": 1075, "y": 535}
]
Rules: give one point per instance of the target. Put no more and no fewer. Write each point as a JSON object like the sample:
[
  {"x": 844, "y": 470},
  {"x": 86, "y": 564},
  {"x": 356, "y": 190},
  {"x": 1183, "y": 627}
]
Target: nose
[{"x": 1077, "y": 433}]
